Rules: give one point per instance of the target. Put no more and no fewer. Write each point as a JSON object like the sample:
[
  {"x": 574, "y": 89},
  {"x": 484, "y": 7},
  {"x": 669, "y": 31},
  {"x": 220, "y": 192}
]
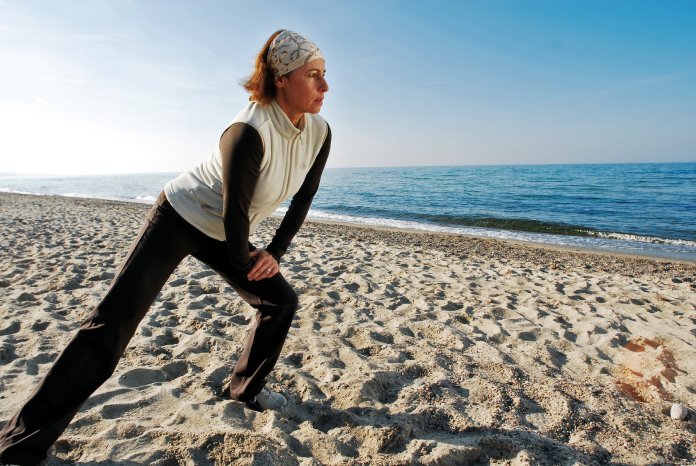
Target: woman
[{"x": 274, "y": 149}]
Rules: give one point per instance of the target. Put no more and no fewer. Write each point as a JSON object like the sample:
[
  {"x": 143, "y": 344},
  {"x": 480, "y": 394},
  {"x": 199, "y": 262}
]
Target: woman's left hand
[{"x": 265, "y": 265}]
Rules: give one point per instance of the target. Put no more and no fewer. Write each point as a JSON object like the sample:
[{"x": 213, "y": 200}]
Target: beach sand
[{"x": 408, "y": 348}]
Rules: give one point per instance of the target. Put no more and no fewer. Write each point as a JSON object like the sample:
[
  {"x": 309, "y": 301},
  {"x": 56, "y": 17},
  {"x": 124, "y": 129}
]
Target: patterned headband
[{"x": 289, "y": 51}]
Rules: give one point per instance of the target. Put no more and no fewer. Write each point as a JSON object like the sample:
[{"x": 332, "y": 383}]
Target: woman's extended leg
[{"x": 91, "y": 357}]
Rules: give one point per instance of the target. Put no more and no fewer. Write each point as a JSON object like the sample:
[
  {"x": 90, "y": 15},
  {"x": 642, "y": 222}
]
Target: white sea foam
[
  {"x": 141, "y": 199},
  {"x": 643, "y": 239},
  {"x": 18, "y": 191},
  {"x": 80, "y": 195},
  {"x": 632, "y": 244}
]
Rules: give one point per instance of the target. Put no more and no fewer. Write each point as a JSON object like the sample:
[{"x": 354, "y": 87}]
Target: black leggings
[{"x": 91, "y": 357}]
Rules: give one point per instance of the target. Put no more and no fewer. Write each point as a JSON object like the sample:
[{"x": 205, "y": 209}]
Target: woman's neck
[{"x": 294, "y": 116}]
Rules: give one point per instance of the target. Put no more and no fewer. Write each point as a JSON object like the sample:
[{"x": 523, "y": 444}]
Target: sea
[{"x": 642, "y": 209}]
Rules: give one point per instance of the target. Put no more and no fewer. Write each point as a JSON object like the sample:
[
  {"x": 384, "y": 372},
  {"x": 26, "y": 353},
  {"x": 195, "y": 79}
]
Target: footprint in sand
[
  {"x": 570, "y": 336},
  {"x": 7, "y": 353},
  {"x": 294, "y": 359},
  {"x": 398, "y": 302},
  {"x": 141, "y": 376},
  {"x": 166, "y": 340},
  {"x": 193, "y": 305},
  {"x": 234, "y": 411},
  {"x": 528, "y": 335},
  {"x": 404, "y": 330},
  {"x": 118, "y": 410},
  {"x": 25, "y": 297},
  {"x": 32, "y": 364},
  {"x": 452, "y": 306},
  {"x": 145, "y": 376},
  {"x": 168, "y": 305},
  {"x": 39, "y": 326},
  {"x": 558, "y": 358},
  {"x": 384, "y": 386},
  {"x": 239, "y": 319},
  {"x": 175, "y": 369},
  {"x": 11, "y": 329},
  {"x": 216, "y": 377},
  {"x": 203, "y": 274},
  {"x": 382, "y": 337},
  {"x": 352, "y": 287},
  {"x": 101, "y": 398},
  {"x": 104, "y": 276}
]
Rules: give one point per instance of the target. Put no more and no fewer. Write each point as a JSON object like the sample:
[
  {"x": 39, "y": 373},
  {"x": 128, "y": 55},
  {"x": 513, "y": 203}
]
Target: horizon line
[{"x": 4, "y": 174}]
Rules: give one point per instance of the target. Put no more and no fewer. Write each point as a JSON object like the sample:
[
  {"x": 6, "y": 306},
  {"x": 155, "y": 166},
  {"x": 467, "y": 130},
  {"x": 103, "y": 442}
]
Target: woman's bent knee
[{"x": 292, "y": 301}]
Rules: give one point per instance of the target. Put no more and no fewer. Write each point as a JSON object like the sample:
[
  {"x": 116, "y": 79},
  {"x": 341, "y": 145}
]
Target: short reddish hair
[{"x": 261, "y": 83}]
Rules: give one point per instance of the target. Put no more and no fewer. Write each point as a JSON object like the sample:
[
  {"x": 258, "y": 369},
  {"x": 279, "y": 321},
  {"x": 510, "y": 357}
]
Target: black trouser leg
[
  {"x": 91, "y": 357},
  {"x": 276, "y": 303}
]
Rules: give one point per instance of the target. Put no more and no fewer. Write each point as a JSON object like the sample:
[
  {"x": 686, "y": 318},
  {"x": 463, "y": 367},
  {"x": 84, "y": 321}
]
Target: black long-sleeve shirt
[{"x": 242, "y": 151}]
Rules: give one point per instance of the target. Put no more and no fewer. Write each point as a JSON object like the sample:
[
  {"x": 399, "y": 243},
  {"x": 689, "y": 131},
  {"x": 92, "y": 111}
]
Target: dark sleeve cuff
[{"x": 273, "y": 251}]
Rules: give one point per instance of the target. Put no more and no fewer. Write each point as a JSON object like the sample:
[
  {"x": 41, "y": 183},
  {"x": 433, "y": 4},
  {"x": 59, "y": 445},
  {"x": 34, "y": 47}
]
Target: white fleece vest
[{"x": 288, "y": 154}]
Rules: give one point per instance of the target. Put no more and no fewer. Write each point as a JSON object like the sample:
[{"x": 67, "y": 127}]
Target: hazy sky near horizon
[{"x": 118, "y": 86}]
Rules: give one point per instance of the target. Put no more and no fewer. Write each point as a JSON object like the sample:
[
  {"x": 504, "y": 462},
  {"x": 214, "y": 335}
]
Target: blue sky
[{"x": 106, "y": 86}]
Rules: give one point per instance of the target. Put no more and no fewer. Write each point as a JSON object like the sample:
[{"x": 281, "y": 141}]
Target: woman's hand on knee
[{"x": 265, "y": 265}]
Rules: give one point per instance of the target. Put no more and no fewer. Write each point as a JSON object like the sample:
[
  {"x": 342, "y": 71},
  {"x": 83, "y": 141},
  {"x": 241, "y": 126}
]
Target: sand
[{"x": 407, "y": 349}]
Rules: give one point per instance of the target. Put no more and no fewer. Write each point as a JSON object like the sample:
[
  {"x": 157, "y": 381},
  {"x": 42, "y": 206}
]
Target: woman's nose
[{"x": 324, "y": 85}]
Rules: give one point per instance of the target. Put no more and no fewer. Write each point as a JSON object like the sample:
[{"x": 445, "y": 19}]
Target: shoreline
[
  {"x": 412, "y": 231},
  {"x": 522, "y": 243}
]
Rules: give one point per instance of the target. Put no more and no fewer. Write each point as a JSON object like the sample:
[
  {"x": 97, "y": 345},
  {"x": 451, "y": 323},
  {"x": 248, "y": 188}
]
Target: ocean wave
[
  {"x": 643, "y": 239},
  {"x": 613, "y": 242},
  {"x": 502, "y": 228}
]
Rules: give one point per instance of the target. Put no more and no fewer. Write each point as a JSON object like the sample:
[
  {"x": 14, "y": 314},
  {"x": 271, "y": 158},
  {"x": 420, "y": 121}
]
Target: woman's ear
[{"x": 280, "y": 81}]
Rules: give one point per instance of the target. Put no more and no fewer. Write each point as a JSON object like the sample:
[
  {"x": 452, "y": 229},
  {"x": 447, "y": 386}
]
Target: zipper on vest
[{"x": 289, "y": 168}]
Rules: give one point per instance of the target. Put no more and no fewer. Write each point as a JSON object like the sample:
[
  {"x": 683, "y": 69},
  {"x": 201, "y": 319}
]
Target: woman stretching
[{"x": 274, "y": 149}]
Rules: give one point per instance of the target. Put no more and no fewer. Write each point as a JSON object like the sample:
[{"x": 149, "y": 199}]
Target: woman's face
[{"x": 302, "y": 90}]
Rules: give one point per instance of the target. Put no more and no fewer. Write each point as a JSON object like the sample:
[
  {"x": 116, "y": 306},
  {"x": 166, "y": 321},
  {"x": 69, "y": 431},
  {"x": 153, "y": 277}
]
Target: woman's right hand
[{"x": 265, "y": 265}]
